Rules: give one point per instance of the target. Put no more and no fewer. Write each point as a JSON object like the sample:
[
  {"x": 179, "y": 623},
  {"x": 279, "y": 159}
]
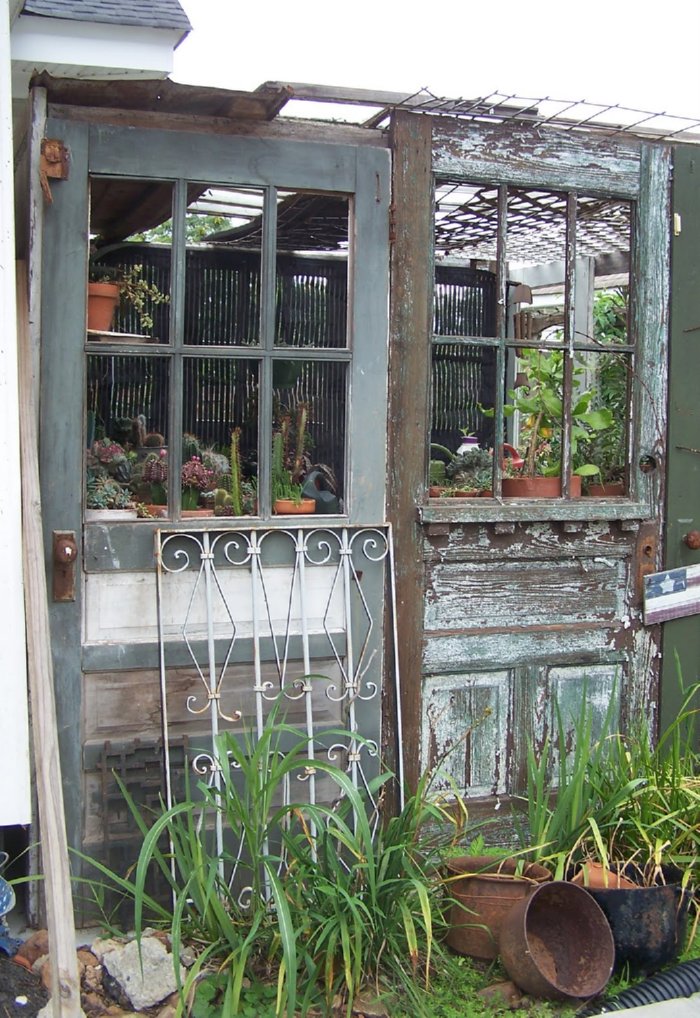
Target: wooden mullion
[
  {"x": 569, "y": 328},
  {"x": 267, "y": 343},
  {"x": 501, "y": 329},
  {"x": 177, "y": 322}
]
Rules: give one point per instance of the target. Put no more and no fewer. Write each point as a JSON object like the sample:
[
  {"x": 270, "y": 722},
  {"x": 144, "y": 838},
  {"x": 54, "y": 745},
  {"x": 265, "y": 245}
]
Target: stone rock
[
  {"x": 147, "y": 976},
  {"x": 504, "y": 994},
  {"x": 34, "y": 946},
  {"x": 369, "y": 1006},
  {"x": 102, "y": 947}
]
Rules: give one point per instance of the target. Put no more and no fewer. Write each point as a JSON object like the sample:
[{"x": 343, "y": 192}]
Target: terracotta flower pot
[
  {"x": 288, "y": 507},
  {"x": 611, "y": 490},
  {"x": 538, "y": 487},
  {"x": 103, "y": 299}
]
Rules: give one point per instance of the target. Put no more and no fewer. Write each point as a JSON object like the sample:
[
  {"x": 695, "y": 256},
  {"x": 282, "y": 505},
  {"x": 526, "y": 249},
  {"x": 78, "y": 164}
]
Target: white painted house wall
[
  {"x": 69, "y": 49},
  {"x": 15, "y": 807},
  {"x": 83, "y": 49}
]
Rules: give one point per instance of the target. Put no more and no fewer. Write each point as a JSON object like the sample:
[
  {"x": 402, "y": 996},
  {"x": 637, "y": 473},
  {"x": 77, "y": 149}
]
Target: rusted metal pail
[
  {"x": 484, "y": 889},
  {"x": 554, "y": 945}
]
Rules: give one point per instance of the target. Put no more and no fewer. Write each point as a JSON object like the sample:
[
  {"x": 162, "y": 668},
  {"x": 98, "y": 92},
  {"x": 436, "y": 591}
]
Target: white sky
[{"x": 640, "y": 54}]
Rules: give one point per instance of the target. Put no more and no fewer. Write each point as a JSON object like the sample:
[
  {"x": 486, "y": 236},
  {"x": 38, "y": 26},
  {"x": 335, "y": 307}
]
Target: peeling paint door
[
  {"x": 249, "y": 324},
  {"x": 510, "y": 603},
  {"x": 682, "y": 636}
]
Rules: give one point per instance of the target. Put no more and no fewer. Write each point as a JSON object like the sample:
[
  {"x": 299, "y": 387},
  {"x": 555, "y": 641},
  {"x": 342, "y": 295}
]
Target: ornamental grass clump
[{"x": 316, "y": 900}]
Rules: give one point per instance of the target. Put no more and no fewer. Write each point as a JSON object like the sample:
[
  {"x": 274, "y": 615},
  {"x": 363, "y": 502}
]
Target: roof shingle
[{"x": 144, "y": 13}]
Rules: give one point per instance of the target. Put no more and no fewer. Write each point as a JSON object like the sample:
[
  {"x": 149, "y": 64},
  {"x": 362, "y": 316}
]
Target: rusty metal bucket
[
  {"x": 648, "y": 923},
  {"x": 484, "y": 889},
  {"x": 554, "y": 945}
]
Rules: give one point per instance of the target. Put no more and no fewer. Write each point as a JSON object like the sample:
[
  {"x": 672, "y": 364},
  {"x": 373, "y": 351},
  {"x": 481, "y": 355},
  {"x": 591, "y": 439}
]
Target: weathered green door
[
  {"x": 282, "y": 314},
  {"x": 681, "y": 637}
]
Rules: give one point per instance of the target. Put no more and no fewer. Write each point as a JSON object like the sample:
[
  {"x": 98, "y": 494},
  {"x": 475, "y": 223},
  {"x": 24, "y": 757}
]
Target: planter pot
[
  {"x": 191, "y": 514},
  {"x": 612, "y": 490},
  {"x": 648, "y": 923},
  {"x": 103, "y": 299},
  {"x": 485, "y": 889},
  {"x": 157, "y": 511},
  {"x": 595, "y": 875},
  {"x": 110, "y": 515},
  {"x": 287, "y": 507},
  {"x": 538, "y": 487},
  {"x": 553, "y": 944}
]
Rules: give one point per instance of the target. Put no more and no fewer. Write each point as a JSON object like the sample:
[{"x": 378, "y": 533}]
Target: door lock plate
[{"x": 65, "y": 556}]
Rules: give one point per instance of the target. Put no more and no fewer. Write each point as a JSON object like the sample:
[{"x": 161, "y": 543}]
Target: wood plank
[
  {"x": 531, "y": 541},
  {"x": 522, "y": 594},
  {"x": 65, "y": 999},
  {"x": 450, "y": 652},
  {"x": 487, "y": 510},
  {"x": 409, "y": 393},
  {"x": 289, "y": 129},
  {"x": 541, "y": 156},
  {"x": 261, "y": 161}
]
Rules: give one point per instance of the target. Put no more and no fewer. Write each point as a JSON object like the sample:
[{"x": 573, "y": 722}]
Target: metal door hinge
[
  {"x": 677, "y": 224},
  {"x": 54, "y": 163}
]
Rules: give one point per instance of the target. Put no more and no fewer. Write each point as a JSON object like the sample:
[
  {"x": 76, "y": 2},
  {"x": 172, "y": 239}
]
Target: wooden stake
[{"x": 65, "y": 999}]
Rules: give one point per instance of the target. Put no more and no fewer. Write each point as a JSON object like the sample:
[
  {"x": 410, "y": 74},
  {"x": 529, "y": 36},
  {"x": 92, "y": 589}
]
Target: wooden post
[{"x": 59, "y": 903}]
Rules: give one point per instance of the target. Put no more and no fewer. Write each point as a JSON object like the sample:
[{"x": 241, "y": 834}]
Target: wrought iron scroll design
[{"x": 226, "y": 586}]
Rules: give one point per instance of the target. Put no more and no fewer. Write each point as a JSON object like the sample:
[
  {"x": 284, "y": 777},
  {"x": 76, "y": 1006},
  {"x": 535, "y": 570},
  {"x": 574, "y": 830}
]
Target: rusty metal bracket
[{"x": 54, "y": 164}]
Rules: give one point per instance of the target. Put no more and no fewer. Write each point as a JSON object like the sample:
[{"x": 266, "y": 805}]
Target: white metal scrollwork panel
[{"x": 288, "y": 617}]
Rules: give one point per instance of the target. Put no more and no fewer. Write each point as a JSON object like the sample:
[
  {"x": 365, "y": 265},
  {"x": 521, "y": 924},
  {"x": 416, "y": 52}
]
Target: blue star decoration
[{"x": 673, "y": 581}]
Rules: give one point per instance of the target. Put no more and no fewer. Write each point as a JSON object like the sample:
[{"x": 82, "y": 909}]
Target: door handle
[
  {"x": 692, "y": 539},
  {"x": 65, "y": 555}
]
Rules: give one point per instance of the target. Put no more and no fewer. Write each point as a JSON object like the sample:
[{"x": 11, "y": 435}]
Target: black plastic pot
[{"x": 648, "y": 923}]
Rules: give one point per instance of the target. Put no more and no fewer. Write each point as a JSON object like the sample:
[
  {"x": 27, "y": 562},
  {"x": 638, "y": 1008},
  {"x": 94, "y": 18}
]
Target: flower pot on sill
[
  {"x": 102, "y": 302},
  {"x": 611, "y": 490},
  {"x": 485, "y": 889},
  {"x": 191, "y": 514},
  {"x": 288, "y": 507},
  {"x": 110, "y": 515},
  {"x": 538, "y": 487}
]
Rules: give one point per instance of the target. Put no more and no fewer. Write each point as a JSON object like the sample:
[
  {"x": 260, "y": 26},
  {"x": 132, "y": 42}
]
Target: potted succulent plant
[
  {"x": 109, "y": 286},
  {"x": 461, "y": 474},
  {"x": 288, "y": 466},
  {"x": 195, "y": 478},
  {"x": 107, "y": 500}
]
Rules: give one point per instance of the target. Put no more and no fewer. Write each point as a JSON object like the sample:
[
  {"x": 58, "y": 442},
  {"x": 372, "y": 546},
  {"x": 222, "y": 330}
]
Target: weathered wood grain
[
  {"x": 537, "y": 157},
  {"x": 409, "y": 385}
]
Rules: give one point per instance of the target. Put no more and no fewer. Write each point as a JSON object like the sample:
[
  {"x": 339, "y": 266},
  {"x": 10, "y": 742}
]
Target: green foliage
[
  {"x": 540, "y": 404},
  {"x": 621, "y": 800},
  {"x": 335, "y": 899},
  {"x": 133, "y": 289},
  {"x": 103, "y": 492}
]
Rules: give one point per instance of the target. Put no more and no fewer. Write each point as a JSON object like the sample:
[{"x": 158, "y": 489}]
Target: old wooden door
[
  {"x": 682, "y": 636},
  {"x": 254, "y": 338},
  {"x": 508, "y": 603}
]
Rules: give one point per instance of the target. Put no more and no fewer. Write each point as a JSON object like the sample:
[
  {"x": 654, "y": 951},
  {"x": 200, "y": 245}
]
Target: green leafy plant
[
  {"x": 133, "y": 289},
  {"x": 104, "y": 492},
  {"x": 316, "y": 900},
  {"x": 471, "y": 470},
  {"x": 539, "y": 401}
]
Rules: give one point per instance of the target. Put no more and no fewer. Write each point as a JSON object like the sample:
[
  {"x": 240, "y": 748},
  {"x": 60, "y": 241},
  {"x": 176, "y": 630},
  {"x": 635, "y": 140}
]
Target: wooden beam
[
  {"x": 409, "y": 392},
  {"x": 65, "y": 982}
]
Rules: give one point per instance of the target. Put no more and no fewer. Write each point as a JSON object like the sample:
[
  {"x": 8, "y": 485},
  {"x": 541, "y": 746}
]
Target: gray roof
[{"x": 145, "y": 13}]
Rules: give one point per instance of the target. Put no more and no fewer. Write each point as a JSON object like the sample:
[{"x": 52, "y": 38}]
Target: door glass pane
[
  {"x": 130, "y": 258},
  {"x": 308, "y": 436},
  {"x": 601, "y": 447},
  {"x": 311, "y": 292},
  {"x": 126, "y": 435},
  {"x": 224, "y": 231},
  {"x": 220, "y": 435}
]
